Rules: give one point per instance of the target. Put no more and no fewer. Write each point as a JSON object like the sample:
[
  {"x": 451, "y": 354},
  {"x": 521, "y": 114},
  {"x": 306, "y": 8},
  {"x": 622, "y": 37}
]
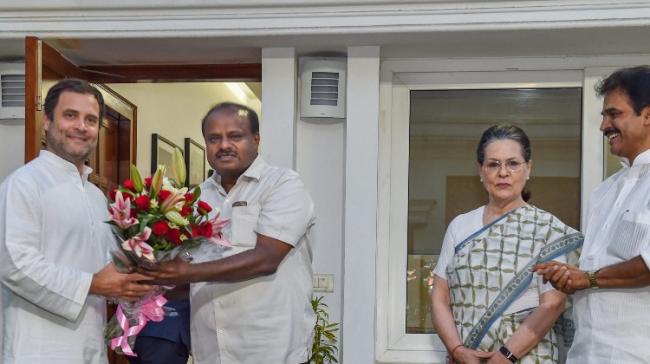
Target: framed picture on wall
[
  {"x": 162, "y": 152},
  {"x": 194, "y": 162}
]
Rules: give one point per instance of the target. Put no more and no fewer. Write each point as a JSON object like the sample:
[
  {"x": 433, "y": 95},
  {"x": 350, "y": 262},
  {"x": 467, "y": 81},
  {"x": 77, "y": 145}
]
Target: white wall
[
  {"x": 175, "y": 110},
  {"x": 279, "y": 94},
  {"x": 12, "y": 145},
  {"x": 320, "y": 162},
  {"x": 316, "y": 151},
  {"x": 361, "y": 182}
]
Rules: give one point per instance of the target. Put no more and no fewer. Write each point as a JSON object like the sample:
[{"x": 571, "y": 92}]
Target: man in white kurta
[
  {"x": 253, "y": 305},
  {"x": 54, "y": 242},
  {"x": 613, "y": 325},
  {"x": 612, "y": 284}
]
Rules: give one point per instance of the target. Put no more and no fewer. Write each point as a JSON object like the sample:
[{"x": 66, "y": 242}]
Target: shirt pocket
[
  {"x": 244, "y": 220},
  {"x": 640, "y": 216},
  {"x": 631, "y": 235}
]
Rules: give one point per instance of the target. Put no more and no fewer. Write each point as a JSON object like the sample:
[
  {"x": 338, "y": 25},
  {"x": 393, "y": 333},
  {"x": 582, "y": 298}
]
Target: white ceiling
[{"x": 441, "y": 44}]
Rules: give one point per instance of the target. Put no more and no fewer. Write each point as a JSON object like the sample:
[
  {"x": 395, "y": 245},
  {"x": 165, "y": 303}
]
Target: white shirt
[
  {"x": 52, "y": 239},
  {"x": 613, "y": 325},
  {"x": 265, "y": 319},
  {"x": 464, "y": 225}
]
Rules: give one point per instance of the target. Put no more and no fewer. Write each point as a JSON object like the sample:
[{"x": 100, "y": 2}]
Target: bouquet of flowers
[{"x": 154, "y": 220}]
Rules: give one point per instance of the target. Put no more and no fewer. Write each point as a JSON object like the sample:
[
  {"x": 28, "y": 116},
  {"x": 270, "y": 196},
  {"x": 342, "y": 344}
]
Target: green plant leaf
[{"x": 324, "y": 348}]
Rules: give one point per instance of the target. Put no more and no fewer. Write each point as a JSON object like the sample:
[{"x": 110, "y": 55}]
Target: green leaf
[
  {"x": 324, "y": 348},
  {"x": 144, "y": 222},
  {"x": 196, "y": 193}
]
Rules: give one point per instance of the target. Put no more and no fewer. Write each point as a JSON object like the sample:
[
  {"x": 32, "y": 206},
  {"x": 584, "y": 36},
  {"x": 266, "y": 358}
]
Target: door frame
[
  {"x": 43, "y": 62},
  {"x": 36, "y": 50}
]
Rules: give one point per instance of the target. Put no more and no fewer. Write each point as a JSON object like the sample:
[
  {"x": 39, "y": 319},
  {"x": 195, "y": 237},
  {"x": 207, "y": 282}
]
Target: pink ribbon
[{"x": 150, "y": 310}]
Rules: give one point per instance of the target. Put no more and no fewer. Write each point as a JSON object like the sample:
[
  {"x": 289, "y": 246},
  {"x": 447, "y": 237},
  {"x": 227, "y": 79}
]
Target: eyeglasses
[{"x": 511, "y": 165}]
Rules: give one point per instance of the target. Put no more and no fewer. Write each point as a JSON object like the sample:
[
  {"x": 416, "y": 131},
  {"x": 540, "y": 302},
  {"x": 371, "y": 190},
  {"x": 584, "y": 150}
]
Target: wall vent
[
  {"x": 322, "y": 88},
  {"x": 12, "y": 91}
]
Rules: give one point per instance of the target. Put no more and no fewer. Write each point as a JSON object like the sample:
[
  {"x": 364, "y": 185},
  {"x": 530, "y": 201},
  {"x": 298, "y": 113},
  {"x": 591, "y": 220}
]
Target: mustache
[
  {"x": 226, "y": 153},
  {"x": 611, "y": 130},
  {"x": 77, "y": 135}
]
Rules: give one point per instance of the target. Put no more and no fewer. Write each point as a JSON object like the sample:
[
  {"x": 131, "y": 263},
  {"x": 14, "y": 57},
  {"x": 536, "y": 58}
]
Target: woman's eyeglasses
[{"x": 511, "y": 165}]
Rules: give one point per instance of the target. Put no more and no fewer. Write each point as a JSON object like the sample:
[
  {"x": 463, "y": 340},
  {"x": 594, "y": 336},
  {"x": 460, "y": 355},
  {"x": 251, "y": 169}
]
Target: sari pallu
[{"x": 491, "y": 269}]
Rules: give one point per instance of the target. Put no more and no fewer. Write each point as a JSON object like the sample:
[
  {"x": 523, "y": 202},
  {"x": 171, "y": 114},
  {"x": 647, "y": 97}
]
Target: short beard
[{"x": 60, "y": 148}]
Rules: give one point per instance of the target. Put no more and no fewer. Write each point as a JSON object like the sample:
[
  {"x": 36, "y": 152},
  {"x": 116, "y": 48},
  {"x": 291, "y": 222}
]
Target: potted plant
[{"x": 323, "y": 349}]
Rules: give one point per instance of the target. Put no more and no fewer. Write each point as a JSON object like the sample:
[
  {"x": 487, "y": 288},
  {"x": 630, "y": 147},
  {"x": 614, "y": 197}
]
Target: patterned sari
[{"x": 491, "y": 268}]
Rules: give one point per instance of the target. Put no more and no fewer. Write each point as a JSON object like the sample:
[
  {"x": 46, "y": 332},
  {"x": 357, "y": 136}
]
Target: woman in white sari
[{"x": 487, "y": 306}]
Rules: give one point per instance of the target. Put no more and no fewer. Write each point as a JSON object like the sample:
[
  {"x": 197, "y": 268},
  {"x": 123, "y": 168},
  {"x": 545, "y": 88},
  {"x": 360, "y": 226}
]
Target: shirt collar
[
  {"x": 254, "y": 171},
  {"x": 643, "y": 158},
  {"x": 65, "y": 165}
]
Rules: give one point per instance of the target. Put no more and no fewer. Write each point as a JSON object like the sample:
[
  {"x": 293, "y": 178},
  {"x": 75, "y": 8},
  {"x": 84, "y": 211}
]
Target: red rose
[
  {"x": 186, "y": 211},
  {"x": 205, "y": 229},
  {"x": 134, "y": 213},
  {"x": 195, "y": 231},
  {"x": 159, "y": 228},
  {"x": 204, "y": 207},
  {"x": 128, "y": 184},
  {"x": 163, "y": 195},
  {"x": 112, "y": 193},
  {"x": 147, "y": 182},
  {"x": 174, "y": 236},
  {"x": 143, "y": 202},
  {"x": 189, "y": 197}
]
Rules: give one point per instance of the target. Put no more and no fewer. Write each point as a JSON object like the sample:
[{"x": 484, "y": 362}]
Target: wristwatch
[
  {"x": 592, "y": 279},
  {"x": 508, "y": 354}
]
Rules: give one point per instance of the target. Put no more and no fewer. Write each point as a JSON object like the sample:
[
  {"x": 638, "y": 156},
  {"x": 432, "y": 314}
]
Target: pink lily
[
  {"x": 217, "y": 227},
  {"x": 175, "y": 201},
  {"x": 121, "y": 211},
  {"x": 138, "y": 245}
]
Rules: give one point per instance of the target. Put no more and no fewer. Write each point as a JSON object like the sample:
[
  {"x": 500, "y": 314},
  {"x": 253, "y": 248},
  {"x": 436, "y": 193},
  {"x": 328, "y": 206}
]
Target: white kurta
[
  {"x": 266, "y": 319},
  {"x": 613, "y": 325},
  {"x": 52, "y": 240}
]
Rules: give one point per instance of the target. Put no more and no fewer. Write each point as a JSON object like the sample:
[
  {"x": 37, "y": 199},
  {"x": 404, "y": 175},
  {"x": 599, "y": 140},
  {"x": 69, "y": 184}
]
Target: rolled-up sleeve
[
  {"x": 645, "y": 255},
  {"x": 287, "y": 212},
  {"x": 24, "y": 268}
]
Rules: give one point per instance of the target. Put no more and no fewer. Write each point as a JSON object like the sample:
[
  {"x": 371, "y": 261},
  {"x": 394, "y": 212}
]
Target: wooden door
[{"x": 116, "y": 146}]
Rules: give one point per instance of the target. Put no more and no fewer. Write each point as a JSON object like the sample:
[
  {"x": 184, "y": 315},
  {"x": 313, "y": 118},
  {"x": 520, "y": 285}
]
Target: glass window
[{"x": 444, "y": 129}]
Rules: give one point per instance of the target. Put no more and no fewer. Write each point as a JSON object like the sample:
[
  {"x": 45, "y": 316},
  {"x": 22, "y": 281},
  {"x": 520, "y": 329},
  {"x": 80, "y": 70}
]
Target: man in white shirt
[
  {"x": 54, "y": 243},
  {"x": 254, "y": 306},
  {"x": 611, "y": 287}
]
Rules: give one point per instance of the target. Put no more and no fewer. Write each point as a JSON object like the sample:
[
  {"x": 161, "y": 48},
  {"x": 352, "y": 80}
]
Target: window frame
[{"x": 394, "y": 345}]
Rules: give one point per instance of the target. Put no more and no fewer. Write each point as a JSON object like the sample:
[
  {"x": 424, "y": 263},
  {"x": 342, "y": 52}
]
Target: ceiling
[{"x": 443, "y": 44}]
